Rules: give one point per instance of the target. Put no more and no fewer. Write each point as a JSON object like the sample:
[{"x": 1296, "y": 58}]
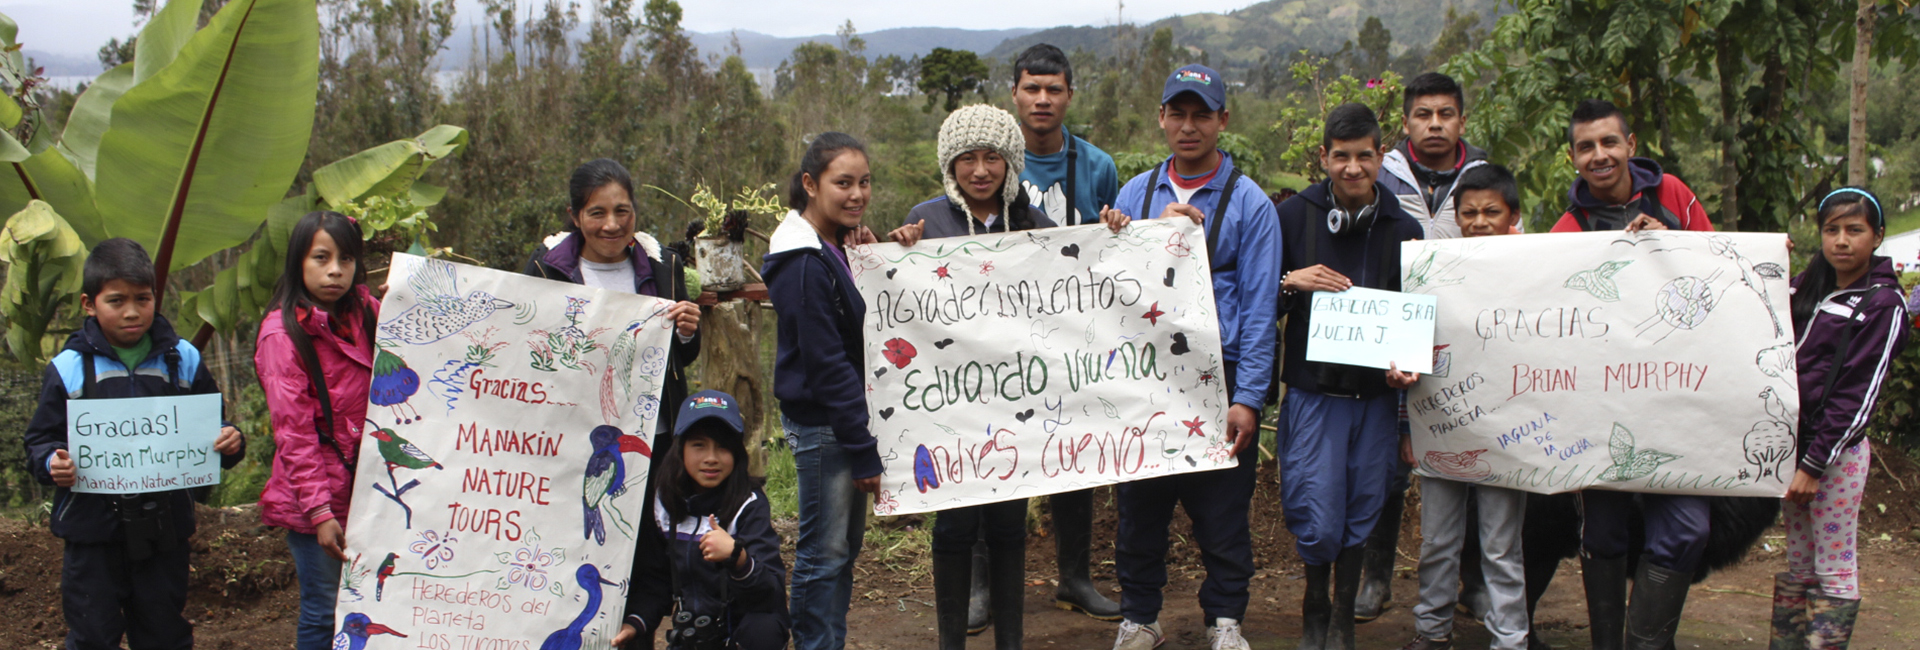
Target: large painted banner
[
  {"x": 1013, "y": 365},
  {"x": 500, "y": 476},
  {"x": 1650, "y": 362}
]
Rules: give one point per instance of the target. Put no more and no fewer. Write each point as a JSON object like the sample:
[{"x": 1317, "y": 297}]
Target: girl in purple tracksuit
[{"x": 1851, "y": 321}]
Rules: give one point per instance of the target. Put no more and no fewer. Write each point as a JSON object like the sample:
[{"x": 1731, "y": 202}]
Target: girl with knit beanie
[{"x": 981, "y": 154}]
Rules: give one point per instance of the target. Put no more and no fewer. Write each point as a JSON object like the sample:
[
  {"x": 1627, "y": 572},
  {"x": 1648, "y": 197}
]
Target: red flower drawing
[
  {"x": 1153, "y": 314},
  {"x": 899, "y": 352}
]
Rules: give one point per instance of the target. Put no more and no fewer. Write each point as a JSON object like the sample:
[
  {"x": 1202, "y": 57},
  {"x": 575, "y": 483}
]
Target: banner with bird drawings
[
  {"x": 499, "y": 480},
  {"x": 1656, "y": 361},
  {"x": 1012, "y": 365}
]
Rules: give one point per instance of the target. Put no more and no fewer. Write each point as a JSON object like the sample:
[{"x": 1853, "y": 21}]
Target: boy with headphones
[{"x": 1338, "y": 423}]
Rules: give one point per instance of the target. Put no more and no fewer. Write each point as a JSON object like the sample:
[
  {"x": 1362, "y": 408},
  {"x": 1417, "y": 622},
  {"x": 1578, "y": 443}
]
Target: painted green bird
[
  {"x": 380, "y": 577},
  {"x": 397, "y": 453}
]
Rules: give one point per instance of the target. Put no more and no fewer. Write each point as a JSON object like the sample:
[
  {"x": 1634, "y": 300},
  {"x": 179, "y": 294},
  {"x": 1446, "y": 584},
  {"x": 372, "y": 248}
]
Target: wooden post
[{"x": 730, "y": 362}]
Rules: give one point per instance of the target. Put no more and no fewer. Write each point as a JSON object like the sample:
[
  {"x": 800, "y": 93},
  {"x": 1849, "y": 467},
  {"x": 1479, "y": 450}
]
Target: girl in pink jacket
[{"x": 323, "y": 317}]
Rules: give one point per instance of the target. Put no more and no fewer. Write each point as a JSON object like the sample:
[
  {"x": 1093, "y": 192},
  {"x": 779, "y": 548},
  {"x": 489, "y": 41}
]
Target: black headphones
[{"x": 1340, "y": 222}]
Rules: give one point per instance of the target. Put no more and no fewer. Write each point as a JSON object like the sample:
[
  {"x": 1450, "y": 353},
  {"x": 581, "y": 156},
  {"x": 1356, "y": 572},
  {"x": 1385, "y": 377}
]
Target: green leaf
[
  {"x": 49, "y": 176},
  {"x": 45, "y": 258},
  {"x": 91, "y": 115},
  {"x": 164, "y": 35},
  {"x": 388, "y": 170},
  {"x": 197, "y": 153},
  {"x": 252, "y": 278},
  {"x": 1620, "y": 446},
  {"x": 10, "y": 112},
  {"x": 11, "y": 150}
]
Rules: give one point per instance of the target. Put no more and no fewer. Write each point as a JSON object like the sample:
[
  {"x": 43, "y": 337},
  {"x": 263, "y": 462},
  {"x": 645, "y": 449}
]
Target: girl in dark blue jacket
[
  {"x": 716, "y": 564},
  {"x": 1850, "y": 321},
  {"x": 818, "y": 377}
]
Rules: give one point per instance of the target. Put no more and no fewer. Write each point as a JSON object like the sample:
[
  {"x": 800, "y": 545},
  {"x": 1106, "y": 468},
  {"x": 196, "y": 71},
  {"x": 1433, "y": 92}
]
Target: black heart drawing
[
  {"x": 1169, "y": 279},
  {"x": 1179, "y": 344},
  {"x": 1023, "y": 415},
  {"x": 1071, "y": 250},
  {"x": 943, "y": 343},
  {"x": 890, "y": 273},
  {"x": 880, "y": 372},
  {"x": 886, "y": 413}
]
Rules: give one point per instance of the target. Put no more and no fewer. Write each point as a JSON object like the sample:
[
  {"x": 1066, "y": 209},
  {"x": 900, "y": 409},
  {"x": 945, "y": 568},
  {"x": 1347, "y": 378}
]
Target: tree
[
  {"x": 1376, "y": 42},
  {"x": 1857, "y": 104},
  {"x": 1459, "y": 34},
  {"x": 950, "y": 74}
]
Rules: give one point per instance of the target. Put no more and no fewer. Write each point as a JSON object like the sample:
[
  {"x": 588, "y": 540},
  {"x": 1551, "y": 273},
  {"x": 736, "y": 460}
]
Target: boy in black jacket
[{"x": 126, "y": 558}]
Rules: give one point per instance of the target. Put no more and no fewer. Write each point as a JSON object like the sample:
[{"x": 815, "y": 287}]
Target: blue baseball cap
[
  {"x": 709, "y": 405},
  {"x": 1199, "y": 80}
]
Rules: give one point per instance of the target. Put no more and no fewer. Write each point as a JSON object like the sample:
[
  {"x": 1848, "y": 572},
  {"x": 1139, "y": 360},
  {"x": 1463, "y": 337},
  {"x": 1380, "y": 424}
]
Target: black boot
[
  {"x": 1376, "y": 575},
  {"x": 1316, "y": 611},
  {"x": 1072, "y": 540},
  {"x": 979, "y": 612},
  {"x": 1606, "y": 582},
  {"x": 951, "y": 572},
  {"x": 1346, "y": 587},
  {"x": 1009, "y": 579},
  {"x": 1654, "y": 615}
]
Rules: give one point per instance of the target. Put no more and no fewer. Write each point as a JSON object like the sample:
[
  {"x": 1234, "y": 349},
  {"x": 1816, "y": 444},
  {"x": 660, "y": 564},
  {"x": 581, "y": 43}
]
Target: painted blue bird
[
  {"x": 606, "y": 475},
  {"x": 353, "y": 636},
  {"x": 442, "y": 312},
  {"x": 569, "y": 637}
]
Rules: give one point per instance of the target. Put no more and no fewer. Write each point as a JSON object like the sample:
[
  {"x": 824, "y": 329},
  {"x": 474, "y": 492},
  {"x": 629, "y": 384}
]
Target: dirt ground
[{"x": 243, "y": 594}]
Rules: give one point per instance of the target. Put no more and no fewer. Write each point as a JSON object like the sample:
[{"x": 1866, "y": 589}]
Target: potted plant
[{"x": 718, "y": 254}]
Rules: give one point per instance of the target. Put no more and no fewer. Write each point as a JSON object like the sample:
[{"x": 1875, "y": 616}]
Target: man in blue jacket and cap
[{"x": 1200, "y": 182}]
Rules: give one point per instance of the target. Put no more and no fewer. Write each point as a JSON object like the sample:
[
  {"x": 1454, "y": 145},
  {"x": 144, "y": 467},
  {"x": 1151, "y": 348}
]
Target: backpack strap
[
  {"x": 1219, "y": 215},
  {"x": 1845, "y": 348},
  {"x": 1153, "y": 180},
  {"x": 1073, "y": 157},
  {"x": 172, "y": 358},
  {"x": 87, "y": 382},
  {"x": 324, "y": 425}
]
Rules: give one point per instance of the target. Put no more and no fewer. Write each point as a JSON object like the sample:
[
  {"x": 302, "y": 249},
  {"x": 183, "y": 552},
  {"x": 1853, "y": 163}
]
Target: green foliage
[
  {"x": 44, "y": 258},
  {"x": 950, "y": 74},
  {"x": 1302, "y": 125}
]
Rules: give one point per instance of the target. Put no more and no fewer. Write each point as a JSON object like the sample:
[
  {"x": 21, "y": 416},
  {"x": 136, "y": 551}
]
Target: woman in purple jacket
[{"x": 1851, "y": 321}]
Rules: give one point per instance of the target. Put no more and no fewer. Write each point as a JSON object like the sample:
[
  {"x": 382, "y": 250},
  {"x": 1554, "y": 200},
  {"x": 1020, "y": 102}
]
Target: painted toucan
[
  {"x": 353, "y": 636},
  {"x": 606, "y": 474}
]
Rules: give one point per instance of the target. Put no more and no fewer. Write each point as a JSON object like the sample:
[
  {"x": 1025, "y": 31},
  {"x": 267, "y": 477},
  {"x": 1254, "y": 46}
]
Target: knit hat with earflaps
[{"x": 983, "y": 127}]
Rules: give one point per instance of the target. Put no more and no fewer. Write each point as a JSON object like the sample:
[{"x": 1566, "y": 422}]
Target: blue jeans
[
  {"x": 1338, "y": 456},
  {"x": 319, "y": 586},
  {"x": 833, "y": 522}
]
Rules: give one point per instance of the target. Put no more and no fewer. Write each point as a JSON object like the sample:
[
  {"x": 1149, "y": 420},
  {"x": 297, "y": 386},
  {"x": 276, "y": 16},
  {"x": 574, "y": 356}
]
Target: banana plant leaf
[
  {"x": 91, "y": 114},
  {"x": 198, "y": 152},
  {"x": 44, "y": 260},
  {"x": 49, "y": 176},
  {"x": 160, "y": 41},
  {"x": 390, "y": 169},
  {"x": 241, "y": 292}
]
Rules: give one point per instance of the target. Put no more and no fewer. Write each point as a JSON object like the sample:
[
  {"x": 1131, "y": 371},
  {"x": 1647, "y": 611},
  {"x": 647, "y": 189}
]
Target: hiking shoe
[
  {"x": 1225, "y": 635},
  {"x": 1423, "y": 643},
  {"x": 1134, "y": 636}
]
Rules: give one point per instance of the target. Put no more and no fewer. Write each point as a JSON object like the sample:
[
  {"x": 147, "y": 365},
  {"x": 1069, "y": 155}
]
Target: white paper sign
[
  {"x": 1007, "y": 366},
  {"x": 501, "y": 472},
  {"x": 1373, "y": 328},
  {"x": 1653, "y": 362},
  {"x": 143, "y": 444}
]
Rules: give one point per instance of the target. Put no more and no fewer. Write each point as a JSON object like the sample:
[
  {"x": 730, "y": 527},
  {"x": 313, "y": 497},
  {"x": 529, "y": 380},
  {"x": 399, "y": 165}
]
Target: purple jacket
[{"x": 1880, "y": 332}]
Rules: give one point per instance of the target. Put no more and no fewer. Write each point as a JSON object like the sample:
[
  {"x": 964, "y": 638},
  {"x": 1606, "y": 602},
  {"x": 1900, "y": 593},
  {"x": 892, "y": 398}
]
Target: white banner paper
[
  {"x": 1373, "y": 328},
  {"x": 1014, "y": 365},
  {"x": 1654, "y": 362},
  {"x": 500, "y": 476}
]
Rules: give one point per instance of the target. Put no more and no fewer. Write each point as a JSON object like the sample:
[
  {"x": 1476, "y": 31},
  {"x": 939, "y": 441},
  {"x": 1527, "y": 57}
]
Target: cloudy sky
[{"x": 79, "y": 27}]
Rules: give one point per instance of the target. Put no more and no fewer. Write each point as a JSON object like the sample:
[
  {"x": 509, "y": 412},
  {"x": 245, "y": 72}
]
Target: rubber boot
[
  {"x": 979, "y": 612},
  {"x": 1654, "y": 615},
  {"x": 1789, "y": 613},
  {"x": 1606, "y": 583},
  {"x": 1376, "y": 575},
  {"x": 1346, "y": 587},
  {"x": 1539, "y": 577},
  {"x": 1316, "y": 611},
  {"x": 1072, "y": 547},
  {"x": 951, "y": 573},
  {"x": 1008, "y": 576},
  {"x": 1830, "y": 621}
]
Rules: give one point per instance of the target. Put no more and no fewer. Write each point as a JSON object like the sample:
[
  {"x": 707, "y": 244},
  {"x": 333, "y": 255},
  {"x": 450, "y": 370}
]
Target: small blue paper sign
[
  {"x": 143, "y": 444},
  {"x": 1373, "y": 328}
]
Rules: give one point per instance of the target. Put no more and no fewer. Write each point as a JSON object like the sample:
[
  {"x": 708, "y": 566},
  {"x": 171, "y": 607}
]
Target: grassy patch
[
  {"x": 1903, "y": 221},
  {"x": 783, "y": 488}
]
